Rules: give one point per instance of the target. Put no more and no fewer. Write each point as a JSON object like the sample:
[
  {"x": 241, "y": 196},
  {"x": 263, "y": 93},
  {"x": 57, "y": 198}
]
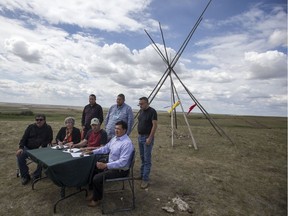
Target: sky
[{"x": 59, "y": 52}]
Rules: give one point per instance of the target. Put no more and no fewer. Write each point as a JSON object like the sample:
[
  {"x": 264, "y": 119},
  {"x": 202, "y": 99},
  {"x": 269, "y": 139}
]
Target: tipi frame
[{"x": 174, "y": 94}]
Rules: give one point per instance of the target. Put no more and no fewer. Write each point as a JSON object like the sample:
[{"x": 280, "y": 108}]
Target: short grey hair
[{"x": 72, "y": 119}]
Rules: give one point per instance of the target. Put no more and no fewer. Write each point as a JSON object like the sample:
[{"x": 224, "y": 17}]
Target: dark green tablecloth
[{"x": 62, "y": 168}]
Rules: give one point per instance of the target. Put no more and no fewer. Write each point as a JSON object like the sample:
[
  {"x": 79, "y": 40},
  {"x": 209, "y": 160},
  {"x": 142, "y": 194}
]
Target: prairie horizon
[{"x": 105, "y": 109}]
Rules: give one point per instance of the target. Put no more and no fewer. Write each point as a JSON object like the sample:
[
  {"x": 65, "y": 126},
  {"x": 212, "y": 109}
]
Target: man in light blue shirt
[
  {"x": 119, "y": 111},
  {"x": 120, "y": 149}
]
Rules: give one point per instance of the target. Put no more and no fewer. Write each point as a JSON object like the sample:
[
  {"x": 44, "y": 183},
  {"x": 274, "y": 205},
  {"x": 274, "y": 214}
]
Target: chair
[{"x": 129, "y": 179}]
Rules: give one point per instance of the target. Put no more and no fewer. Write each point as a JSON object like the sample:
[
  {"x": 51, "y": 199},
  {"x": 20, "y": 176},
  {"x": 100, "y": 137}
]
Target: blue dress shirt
[
  {"x": 118, "y": 113},
  {"x": 119, "y": 149}
]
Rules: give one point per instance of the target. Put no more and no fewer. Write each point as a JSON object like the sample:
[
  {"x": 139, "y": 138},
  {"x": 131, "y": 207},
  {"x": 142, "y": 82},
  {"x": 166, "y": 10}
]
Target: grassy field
[{"x": 248, "y": 177}]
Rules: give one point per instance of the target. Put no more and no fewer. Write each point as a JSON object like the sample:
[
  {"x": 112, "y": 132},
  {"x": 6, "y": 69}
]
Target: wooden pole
[
  {"x": 171, "y": 113},
  {"x": 187, "y": 123}
]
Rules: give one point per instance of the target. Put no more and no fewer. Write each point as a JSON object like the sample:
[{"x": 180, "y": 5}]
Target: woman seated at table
[
  {"x": 95, "y": 137},
  {"x": 69, "y": 134}
]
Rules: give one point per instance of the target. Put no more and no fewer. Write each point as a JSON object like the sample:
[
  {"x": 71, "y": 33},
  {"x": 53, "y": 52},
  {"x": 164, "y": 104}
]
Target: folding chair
[{"x": 106, "y": 190}]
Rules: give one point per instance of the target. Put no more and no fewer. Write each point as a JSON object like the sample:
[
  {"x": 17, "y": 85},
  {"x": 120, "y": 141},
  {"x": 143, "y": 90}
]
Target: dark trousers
[
  {"x": 98, "y": 180},
  {"x": 24, "y": 169}
]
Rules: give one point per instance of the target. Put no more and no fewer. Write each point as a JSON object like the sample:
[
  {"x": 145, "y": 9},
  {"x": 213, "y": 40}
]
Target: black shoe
[{"x": 25, "y": 180}]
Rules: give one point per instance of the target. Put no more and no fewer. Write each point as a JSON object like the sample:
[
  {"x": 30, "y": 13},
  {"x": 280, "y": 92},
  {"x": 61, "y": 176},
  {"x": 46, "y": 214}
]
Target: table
[{"x": 63, "y": 169}]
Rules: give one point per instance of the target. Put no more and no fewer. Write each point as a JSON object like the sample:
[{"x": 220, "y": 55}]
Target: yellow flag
[{"x": 174, "y": 106}]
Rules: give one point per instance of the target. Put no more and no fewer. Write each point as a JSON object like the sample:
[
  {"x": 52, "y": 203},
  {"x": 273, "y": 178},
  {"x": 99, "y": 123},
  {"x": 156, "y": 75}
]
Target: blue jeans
[
  {"x": 145, "y": 155},
  {"x": 24, "y": 169}
]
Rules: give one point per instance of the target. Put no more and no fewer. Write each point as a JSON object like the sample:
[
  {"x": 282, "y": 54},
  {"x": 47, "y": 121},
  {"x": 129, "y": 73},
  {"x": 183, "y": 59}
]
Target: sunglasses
[{"x": 39, "y": 119}]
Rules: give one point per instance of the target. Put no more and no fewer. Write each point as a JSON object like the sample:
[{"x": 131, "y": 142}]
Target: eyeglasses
[{"x": 39, "y": 119}]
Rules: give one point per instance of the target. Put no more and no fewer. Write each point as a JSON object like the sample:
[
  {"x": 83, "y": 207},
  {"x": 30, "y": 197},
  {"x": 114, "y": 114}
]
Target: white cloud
[
  {"x": 108, "y": 15},
  {"x": 215, "y": 75},
  {"x": 271, "y": 64},
  {"x": 278, "y": 38},
  {"x": 231, "y": 70},
  {"x": 27, "y": 52}
]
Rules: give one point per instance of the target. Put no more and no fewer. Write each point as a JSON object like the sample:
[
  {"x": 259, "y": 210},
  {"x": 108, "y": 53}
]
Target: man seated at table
[
  {"x": 36, "y": 135},
  {"x": 120, "y": 149},
  {"x": 95, "y": 137}
]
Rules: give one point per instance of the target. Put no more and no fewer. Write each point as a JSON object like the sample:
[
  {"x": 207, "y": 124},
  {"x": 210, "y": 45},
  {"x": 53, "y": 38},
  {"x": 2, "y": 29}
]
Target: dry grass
[{"x": 247, "y": 178}]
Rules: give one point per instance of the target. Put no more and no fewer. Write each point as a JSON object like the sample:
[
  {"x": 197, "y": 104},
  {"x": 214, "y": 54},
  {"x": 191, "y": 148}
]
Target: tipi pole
[
  {"x": 187, "y": 123},
  {"x": 185, "y": 43},
  {"x": 164, "y": 43},
  {"x": 171, "y": 114}
]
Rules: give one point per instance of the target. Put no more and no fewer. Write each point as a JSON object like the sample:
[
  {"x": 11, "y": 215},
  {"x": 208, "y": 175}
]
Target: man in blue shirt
[
  {"x": 120, "y": 149},
  {"x": 117, "y": 112}
]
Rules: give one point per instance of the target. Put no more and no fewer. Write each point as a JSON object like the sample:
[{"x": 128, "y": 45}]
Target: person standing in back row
[
  {"x": 90, "y": 111},
  {"x": 147, "y": 125},
  {"x": 117, "y": 112}
]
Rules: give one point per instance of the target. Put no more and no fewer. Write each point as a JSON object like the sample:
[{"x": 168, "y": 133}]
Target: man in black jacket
[
  {"x": 36, "y": 135},
  {"x": 90, "y": 111}
]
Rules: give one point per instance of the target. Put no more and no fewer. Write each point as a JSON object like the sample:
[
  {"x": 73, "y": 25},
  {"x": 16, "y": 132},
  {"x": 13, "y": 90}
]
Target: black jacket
[
  {"x": 76, "y": 135},
  {"x": 35, "y": 136},
  {"x": 90, "y": 112}
]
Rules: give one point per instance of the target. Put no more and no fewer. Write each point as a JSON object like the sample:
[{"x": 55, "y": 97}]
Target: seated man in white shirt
[{"x": 120, "y": 149}]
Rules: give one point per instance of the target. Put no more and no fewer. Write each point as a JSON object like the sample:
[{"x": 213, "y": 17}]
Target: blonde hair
[{"x": 72, "y": 119}]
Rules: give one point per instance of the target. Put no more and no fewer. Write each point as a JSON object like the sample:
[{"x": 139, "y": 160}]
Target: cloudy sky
[{"x": 59, "y": 52}]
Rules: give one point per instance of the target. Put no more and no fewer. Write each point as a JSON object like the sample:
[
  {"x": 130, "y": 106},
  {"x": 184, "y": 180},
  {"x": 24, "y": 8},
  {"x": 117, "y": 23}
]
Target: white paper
[
  {"x": 58, "y": 147},
  {"x": 77, "y": 154},
  {"x": 73, "y": 150}
]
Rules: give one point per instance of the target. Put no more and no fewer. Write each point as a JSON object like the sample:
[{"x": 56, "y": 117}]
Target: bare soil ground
[{"x": 248, "y": 177}]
